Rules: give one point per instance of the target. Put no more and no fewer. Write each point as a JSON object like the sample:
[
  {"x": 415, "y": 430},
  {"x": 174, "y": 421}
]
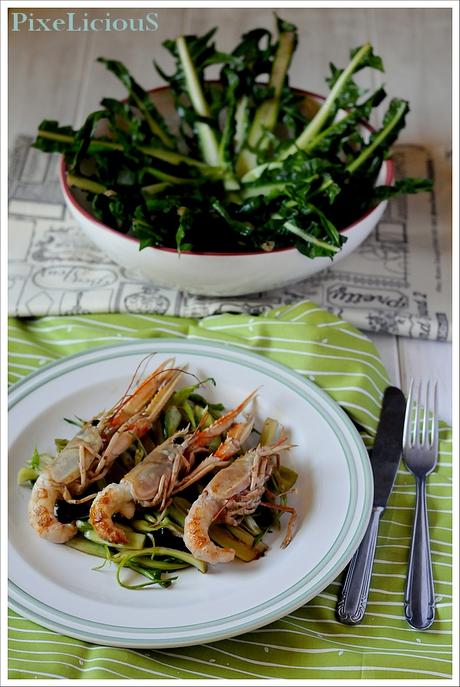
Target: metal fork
[{"x": 420, "y": 451}]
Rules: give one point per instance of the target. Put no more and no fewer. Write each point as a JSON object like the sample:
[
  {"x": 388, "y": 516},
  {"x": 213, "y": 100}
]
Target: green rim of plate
[{"x": 36, "y": 610}]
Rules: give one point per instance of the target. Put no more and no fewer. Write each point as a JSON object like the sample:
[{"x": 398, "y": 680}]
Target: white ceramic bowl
[{"x": 214, "y": 274}]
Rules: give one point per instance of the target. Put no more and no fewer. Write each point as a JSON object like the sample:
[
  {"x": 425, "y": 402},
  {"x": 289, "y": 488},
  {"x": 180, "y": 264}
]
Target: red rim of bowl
[{"x": 389, "y": 177}]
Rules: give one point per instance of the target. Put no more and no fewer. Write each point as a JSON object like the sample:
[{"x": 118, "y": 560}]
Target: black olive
[
  {"x": 164, "y": 537},
  {"x": 68, "y": 512}
]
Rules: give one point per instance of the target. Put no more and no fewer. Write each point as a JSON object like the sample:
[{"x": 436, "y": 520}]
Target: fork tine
[
  {"x": 418, "y": 405},
  {"x": 407, "y": 417},
  {"x": 434, "y": 435},
  {"x": 426, "y": 418}
]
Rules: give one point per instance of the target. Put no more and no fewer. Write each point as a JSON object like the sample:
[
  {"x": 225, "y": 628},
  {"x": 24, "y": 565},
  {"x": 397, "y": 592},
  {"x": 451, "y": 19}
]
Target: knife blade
[{"x": 384, "y": 459}]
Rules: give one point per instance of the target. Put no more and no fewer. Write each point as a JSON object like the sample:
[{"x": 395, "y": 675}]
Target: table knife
[{"x": 384, "y": 457}]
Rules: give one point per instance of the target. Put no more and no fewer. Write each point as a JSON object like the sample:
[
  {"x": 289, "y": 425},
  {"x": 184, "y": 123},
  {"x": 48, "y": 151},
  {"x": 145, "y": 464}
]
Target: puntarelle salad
[
  {"x": 162, "y": 481},
  {"x": 253, "y": 164}
]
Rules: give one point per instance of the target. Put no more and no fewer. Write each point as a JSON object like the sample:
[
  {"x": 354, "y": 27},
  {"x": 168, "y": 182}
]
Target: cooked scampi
[
  {"x": 233, "y": 493},
  {"x": 89, "y": 455},
  {"x": 158, "y": 476},
  {"x": 163, "y": 480}
]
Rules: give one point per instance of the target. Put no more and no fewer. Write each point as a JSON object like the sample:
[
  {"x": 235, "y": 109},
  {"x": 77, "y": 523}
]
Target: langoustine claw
[
  {"x": 234, "y": 492},
  {"x": 236, "y": 436},
  {"x": 90, "y": 454}
]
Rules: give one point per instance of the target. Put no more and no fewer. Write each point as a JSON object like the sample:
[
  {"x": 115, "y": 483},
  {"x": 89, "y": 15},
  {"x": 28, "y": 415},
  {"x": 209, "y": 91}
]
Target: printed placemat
[{"x": 398, "y": 281}]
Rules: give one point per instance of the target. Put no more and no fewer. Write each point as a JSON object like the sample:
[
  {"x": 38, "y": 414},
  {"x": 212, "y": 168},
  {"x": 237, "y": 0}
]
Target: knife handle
[{"x": 353, "y": 601}]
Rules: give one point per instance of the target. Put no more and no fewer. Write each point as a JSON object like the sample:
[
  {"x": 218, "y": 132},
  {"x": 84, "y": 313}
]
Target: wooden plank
[
  {"x": 405, "y": 358},
  {"x": 388, "y": 349},
  {"x": 415, "y": 45},
  {"x": 55, "y": 75},
  {"x": 45, "y": 70},
  {"x": 428, "y": 359}
]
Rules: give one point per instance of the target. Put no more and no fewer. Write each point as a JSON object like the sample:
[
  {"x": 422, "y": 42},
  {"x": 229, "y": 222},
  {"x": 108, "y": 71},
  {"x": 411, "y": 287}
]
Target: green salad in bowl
[{"x": 242, "y": 164}]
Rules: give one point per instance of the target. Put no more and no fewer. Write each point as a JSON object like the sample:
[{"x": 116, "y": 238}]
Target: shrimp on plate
[
  {"x": 167, "y": 469},
  {"x": 93, "y": 450},
  {"x": 234, "y": 492}
]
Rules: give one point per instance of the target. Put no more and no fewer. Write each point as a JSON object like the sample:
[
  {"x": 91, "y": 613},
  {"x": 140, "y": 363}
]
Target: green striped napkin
[{"x": 309, "y": 643}]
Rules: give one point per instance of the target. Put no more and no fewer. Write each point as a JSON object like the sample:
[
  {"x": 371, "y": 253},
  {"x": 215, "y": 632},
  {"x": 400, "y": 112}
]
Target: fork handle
[
  {"x": 419, "y": 601},
  {"x": 353, "y": 601}
]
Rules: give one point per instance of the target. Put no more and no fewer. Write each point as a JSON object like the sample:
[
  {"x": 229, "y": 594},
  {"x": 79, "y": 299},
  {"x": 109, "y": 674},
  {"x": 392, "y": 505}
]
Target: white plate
[{"x": 56, "y": 586}]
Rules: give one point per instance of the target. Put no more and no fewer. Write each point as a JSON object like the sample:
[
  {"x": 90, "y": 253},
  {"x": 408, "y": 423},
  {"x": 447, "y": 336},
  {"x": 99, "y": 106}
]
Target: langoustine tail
[
  {"x": 114, "y": 498},
  {"x": 41, "y": 512},
  {"x": 196, "y": 531}
]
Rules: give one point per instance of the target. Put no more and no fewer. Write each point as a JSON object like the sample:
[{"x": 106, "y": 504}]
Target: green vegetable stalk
[
  {"x": 360, "y": 58},
  {"x": 141, "y": 100},
  {"x": 266, "y": 115},
  {"x": 206, "y": 135}
]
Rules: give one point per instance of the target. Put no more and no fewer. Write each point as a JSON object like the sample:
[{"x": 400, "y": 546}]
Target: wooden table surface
[{"x": 54, "y": 75}]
